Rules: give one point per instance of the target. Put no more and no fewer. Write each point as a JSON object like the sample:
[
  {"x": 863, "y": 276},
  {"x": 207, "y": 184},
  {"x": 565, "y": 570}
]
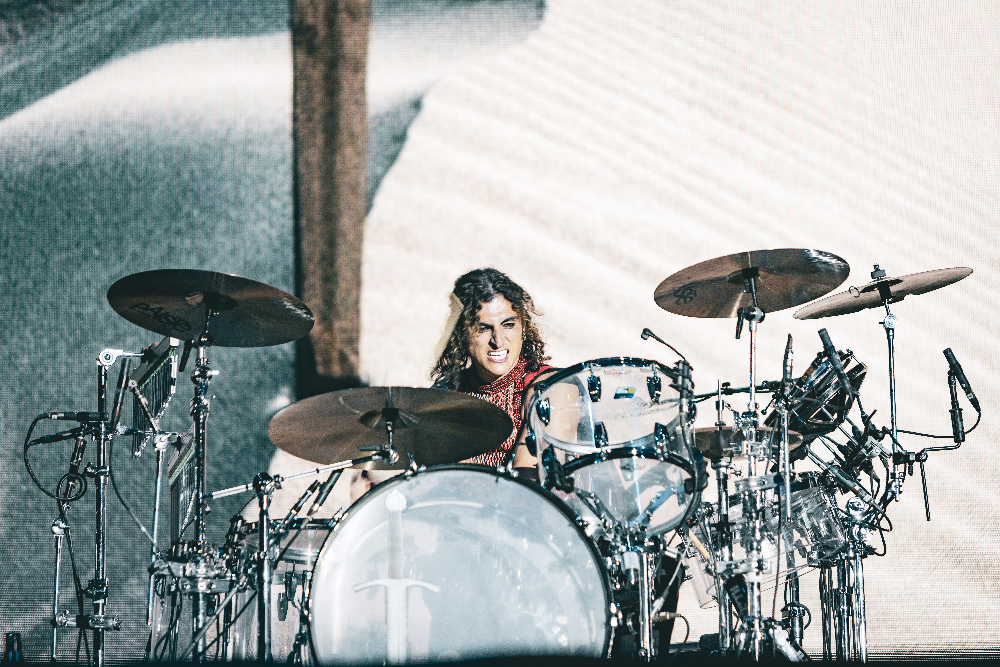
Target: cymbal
[
  {"x": 175, "y": 302},
  {"x": 435, "y": 425},
  {"x": 785, "y": 277},
  {"x": 705, "y": 439},
  {"x": 875, "y": 293}
]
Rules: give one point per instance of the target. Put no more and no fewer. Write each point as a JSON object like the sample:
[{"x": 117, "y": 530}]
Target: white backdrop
[{"x": 622, "y": 142}]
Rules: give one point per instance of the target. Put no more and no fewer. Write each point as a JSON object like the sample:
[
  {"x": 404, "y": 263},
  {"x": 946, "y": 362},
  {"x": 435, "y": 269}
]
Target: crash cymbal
[
  {"x": 875, "y": 293},
  {"x": 706, "y": 440},
  {"x": 785, "y": 278},
  {"x": 435, "y": 425},
  {"x": 175, "y": 302}
]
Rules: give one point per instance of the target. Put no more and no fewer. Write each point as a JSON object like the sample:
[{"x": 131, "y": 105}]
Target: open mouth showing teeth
[{"x": 497, "y": 356}]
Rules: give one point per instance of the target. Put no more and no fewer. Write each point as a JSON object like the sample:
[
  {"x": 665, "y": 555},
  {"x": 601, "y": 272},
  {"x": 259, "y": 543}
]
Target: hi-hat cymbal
[
  {"x": 784, "y": 278},
  {"x": 176, "y": 302},
  {"x": 875, "y": 293},
  {"x": 434, "y": 425},
  {"x": 707, "y": 439}
]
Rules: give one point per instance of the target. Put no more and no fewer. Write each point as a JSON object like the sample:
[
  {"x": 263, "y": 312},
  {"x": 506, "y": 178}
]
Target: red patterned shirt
[{"x": 507, "y": 393}]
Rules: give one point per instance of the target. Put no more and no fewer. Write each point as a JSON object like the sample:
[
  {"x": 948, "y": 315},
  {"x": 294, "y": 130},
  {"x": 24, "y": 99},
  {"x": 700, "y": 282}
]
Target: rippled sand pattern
[{"x": 621, "y": 142}]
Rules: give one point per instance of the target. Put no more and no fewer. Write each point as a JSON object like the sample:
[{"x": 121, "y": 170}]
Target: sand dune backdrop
[{"x": 589, "y": 150}]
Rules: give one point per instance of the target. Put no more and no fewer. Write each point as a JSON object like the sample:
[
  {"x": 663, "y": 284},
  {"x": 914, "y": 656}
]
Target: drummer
[{"x": 494, "y": 351}]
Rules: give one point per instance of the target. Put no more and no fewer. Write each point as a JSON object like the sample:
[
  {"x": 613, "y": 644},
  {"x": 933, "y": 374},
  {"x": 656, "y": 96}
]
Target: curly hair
[{"x": 474, "y": 289}]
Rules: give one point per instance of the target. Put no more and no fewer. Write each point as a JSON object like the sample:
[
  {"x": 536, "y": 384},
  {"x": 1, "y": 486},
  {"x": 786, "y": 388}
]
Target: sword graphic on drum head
[{"x": 396, "y": 587}]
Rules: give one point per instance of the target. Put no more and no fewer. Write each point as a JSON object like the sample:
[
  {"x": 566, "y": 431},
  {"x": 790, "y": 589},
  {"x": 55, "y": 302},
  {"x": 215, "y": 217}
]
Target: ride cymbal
[
  {"x": 178, "y": 302},
  {"x": 434, "y": 425},
  {"x": 877, "y": 292},
  {"x": 783, "y": 278}
]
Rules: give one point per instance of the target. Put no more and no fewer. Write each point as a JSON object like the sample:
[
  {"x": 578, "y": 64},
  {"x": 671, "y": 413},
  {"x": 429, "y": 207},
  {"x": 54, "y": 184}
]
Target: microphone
[
  {"x": 77, "y": 458},
  {"x": 62, "y": 435},
  {"x": 76, "y": 416},
  {"x": 834, "y": 357},
  {"x": 116, "y": 409},
  {"x": 297, "y": 507},
  {"x": 957, "y": 427},
  {"x": 956, "y": 368},
  {"x": 841, "y": 478},
  {"x": 786, "y": 368},
  {"x": 648, "y": 333},
  {"x": 324, "y": 491}
]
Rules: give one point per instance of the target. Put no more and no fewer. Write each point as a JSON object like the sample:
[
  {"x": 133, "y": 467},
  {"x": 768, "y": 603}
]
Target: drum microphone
[
  {"x": 956, "y": 368},
  {"x": 77, "y": 458},
  {"x": 834, "y": 357},
  {"x": 76, "y": 416},
  {"x": 648, "y": 333},
  {"x": 324, "y": 491},
  {"x": 116, "y": 408},
  {"x": 297, "y": 507},
  {"x": 62, "y": 435},
  {"x": 786, "y": 367},
  {"x": 841, "y": 478}
]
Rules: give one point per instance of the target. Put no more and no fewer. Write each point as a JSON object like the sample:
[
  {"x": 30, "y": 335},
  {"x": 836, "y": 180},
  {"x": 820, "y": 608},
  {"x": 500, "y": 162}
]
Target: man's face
[{"x": 495, "y": 339}]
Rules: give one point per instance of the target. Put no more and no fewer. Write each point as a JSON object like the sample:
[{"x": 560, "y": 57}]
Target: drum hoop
[
  {"x": 628, "y": 452},
  {"x": 641, "y": 442},
  {"x": 605, "y": 362},
  {"x": 555, "y": 500}
]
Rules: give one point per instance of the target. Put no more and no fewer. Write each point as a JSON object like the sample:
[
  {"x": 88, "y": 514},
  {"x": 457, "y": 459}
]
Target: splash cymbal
[
  {"x": 877, "y": 292},
  {"x": 783, "y": 278}
]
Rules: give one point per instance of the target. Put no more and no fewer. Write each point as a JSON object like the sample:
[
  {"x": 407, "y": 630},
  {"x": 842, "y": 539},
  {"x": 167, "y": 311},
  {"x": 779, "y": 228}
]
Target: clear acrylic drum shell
[
  {"x": 813, "y": 535},
  {"x": 300, "y": 553},
  {"x": 496, "y": 567},
  {"x": 626, "y": 473}
]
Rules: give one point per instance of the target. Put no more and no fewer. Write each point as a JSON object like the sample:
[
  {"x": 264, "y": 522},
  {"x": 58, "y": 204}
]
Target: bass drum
[{"x": 458, "y": 562}]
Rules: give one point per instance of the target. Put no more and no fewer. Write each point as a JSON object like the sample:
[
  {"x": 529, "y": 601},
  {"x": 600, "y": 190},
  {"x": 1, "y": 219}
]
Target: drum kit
[{"x": 449, "y": 561}]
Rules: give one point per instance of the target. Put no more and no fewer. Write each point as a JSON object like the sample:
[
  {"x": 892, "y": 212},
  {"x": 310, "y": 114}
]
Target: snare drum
[
  {"x": 458, "y": 562},
  {"x": 616, "y": 427}
]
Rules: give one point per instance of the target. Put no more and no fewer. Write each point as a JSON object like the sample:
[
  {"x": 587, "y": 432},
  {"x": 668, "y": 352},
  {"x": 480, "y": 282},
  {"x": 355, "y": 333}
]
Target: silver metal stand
[
  {"x": 756, "y": 629},
  {"x": 161, "y": 445},
  {"x": 843, "y": 603},
  {"x": 59, "y": 528},
  {"x": 201, "y": 377},
  {"x": 264, "y": 486},
  {"x": 724, "y": 533}
]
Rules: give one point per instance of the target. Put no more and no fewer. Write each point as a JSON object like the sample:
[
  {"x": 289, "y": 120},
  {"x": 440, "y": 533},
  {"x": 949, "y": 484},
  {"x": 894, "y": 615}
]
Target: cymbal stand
[
  {"x": 201, "y": 376},
  {"x": 889, "y": 323},
  {"x": 724, "y": 532},
  {"x": 754, "y": 629}
]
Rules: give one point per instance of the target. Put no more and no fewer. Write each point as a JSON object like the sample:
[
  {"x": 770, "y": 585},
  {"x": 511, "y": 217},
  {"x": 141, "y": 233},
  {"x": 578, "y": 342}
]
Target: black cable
[
  {"x": 31, "y": 473},
  {"x": 687, "y": 631},
  {"x": 979, "y": 418},
  {"x": 128, "y": 509}
]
